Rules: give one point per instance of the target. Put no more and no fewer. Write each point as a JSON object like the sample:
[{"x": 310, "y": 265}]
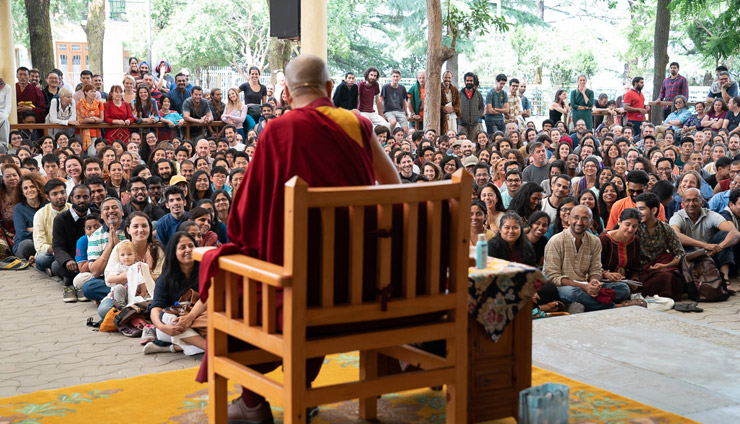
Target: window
[
  {"x": 76, "y": 69},
  {"x": 76, "y": 47},
  {"x": 62, "y": 47},
  {"x": 63, "y": 61},
  {"x": 117, "y": 9},
  {"x": 87, "y": 63}
]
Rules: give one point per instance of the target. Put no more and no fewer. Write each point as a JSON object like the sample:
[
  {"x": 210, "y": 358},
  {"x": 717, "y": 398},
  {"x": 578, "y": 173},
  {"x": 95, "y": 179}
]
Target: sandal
[
  {"x": 687, "y": 307},
  {"x": 633, "y": 302}
]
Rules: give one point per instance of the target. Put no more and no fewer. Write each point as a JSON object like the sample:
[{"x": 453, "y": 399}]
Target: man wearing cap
[
  {"x": 456, "y": 148},
  {"x": 99, "y": 247},
  {"x": 140, "y": 199},
  {"x": 469, "y": 164}
]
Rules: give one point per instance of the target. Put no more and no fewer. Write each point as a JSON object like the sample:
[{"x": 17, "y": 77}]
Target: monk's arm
[{"x": 385, "y": 172}]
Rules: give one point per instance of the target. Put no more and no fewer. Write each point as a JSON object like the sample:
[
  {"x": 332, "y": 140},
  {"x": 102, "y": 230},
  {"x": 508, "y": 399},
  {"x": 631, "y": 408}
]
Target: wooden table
[{"x": 497, "y": 370}]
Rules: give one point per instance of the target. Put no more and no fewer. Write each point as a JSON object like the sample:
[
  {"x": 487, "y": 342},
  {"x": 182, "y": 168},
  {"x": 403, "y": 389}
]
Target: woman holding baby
[{"x": 144, "y": 254}]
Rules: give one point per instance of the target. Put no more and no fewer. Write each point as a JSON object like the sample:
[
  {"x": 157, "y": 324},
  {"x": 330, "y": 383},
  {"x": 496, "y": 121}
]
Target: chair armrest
[{"x": 246, "y": 266}]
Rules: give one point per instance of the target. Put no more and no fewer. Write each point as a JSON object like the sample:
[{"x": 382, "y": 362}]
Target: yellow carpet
[{"x": 174, "y": 397}]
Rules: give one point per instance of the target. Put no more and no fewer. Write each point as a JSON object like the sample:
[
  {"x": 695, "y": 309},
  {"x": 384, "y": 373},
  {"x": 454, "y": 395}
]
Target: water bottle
[{"x": 481, "y": 252}]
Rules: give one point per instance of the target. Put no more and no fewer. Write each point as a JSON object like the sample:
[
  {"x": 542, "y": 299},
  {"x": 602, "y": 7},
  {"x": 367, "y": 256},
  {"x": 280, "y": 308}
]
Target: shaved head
[
  {"x": 307, "y": 73},
  {"x": 582, "y": 208}
]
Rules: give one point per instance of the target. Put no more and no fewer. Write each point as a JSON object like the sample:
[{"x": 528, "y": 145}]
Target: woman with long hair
[
  {"x": 116, "y": 179},
  {"x": 117, "y": 112},
  {"x": 450, "y": 164},
  {"x": 129, "y": 94},
  {"x": 202, "y": 217},
  {"x": 148, "y": 251},
  {"x": 32, "y": 198},
  {"x": 559, "y": 107},
  {"x": 193, "y": 229},
  {"x": 499, "y": 172},
  {"x": 716, "y": 116},
  {"x": 9, "y": 197},
  {"x": 179, "y": 276},
  {"x": 145, "y": 109},
  {"x": 222, "y": 202},
  {"x": 539, "y": 222},
  {"x": 431, "y": 171},
  {"x": 511, "y": 243},
  {"x": 478, "y": 222},
  {"x": 217, "y": 226},
  {"x": 611, "y": 155},
  {"x": 491, "y": 196},
  {"x": 236, "y": 113},
  {"x": 481, "y": 141},
  {"x": 608, "y": 195},
  {"x": 527, "y": 200}
]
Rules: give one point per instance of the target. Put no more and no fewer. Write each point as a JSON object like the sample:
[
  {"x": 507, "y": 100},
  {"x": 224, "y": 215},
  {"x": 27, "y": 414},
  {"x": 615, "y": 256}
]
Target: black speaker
[{"x": 285, "y": 18}]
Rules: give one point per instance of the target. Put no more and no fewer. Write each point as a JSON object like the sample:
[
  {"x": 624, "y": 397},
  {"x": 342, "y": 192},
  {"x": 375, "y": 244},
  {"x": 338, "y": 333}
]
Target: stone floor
[{"x": 683, "y": 363}]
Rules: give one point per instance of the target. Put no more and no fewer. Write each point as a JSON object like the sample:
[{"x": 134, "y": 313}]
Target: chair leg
[
  {"x": 218, "y": 398},
  {"x": 368, "y": 371},
  {"x": 294, "y": 389},
  {"x": 456, "y": 409}
]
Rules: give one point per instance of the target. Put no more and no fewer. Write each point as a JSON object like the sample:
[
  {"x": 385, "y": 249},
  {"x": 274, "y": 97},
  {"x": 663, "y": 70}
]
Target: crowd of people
[{"x": 597, "y": 195}]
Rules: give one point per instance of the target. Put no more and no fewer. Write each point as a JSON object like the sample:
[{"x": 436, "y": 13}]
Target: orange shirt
[{"x": 626, "y": 203}]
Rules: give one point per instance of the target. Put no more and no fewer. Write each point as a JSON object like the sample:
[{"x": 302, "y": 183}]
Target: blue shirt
[
  {"x": 167, "y": 226},
  {"x": 732, "y": 91},
  {"x": 81, "y": 252},
  {"x": 177, "y": 99},
  {"x": 23, "y": 220},
  {"x": 683, "y": 115},
  {"x": 719, "y": 201},
  {"x": 525, "y": 104}
]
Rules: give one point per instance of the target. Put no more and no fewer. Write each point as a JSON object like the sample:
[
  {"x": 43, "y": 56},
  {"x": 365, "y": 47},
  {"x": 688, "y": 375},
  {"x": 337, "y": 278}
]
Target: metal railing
[{"x": 44, "y": 128}]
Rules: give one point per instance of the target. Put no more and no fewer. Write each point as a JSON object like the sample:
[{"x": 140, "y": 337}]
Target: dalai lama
[
  {"x": 28, "y": 96},
  {"x": 326, "y": 147}
]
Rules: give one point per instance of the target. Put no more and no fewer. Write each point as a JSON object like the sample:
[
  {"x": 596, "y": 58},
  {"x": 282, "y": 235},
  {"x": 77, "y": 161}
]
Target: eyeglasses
[
  {"x": 664, "y": 169},
  {"x": 636, "y": 192},
  {"x": 690, "y": 200},
  {"x": 137, "y": 189},
  {"x": 517, "y": 180}
]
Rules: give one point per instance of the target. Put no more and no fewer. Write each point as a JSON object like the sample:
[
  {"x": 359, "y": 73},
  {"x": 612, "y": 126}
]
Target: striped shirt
[
  {"x": 563, "y": 260},
  {"x": 99, "y": 239}
]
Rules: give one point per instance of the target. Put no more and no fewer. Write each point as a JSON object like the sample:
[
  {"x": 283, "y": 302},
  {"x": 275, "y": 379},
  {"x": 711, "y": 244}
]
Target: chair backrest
[{"x": 371, "y": 247}]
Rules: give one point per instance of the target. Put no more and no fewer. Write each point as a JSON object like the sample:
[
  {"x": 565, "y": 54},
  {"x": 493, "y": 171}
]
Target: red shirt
[
  {"x": 635, "y": 99},
  {"x": 367, "y": 95}
]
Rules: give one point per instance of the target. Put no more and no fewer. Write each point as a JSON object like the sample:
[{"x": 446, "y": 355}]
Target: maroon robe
[
  {"x": 304, "y": 142},
  {"x": 34, "y": 95}
]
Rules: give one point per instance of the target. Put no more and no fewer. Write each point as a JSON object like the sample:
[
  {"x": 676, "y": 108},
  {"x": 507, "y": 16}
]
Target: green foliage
[
  {"x": 477, "y": 19},
  {"x": 640, "y": 33},
  {"x": 526, "y": 45},
  {"x": 713, "y": 27},
  {"x": 565, "y": 68}
]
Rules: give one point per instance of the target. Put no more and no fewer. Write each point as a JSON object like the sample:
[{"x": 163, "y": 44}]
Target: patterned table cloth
[{"x": 498, "y": 292}]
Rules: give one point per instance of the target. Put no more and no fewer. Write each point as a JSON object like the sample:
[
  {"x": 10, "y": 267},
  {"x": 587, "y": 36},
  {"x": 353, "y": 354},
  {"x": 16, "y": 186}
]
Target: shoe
[
  {"x": 149, "y": 334},
  {"x": 69, "y": 295},
  {"x": 154, "y": 348},
  {"x": 129, "y": 331},
  {"x": 311, "y": 413},
  {"x": 48, "y": 272},
  {"x": 576, "y": 308},
  {"x": 240, "y": 413},
  {"x": 81, "y": 297}
]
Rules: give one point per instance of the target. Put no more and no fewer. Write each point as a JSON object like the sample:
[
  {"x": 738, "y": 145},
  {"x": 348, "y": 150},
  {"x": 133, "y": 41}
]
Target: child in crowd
[
  {"x": 92, "y": 223},
  {"x": 120, "y": 292}
]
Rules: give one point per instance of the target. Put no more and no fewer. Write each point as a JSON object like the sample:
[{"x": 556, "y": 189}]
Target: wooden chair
[{"x": 371, "y": 269}]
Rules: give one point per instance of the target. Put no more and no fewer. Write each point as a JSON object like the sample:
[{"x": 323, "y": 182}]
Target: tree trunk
[
  {"x": 452, "y": 66},
  {"x": 433, "y": 87},
  {"x": 95, "y": 31},
  {"x": 39, "y": 28},
  {"x": 278, "y": 57},
  {"x": 660, "y": 52},
  {"x": 541, "y": 9}
]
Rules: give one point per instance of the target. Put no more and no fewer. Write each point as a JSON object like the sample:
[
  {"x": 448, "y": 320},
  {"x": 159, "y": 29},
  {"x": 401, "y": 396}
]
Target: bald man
[
  {"x": 573, "y": 263},
  {"x": 326, "y": 147},
  {"x": 700, "y": 228}
]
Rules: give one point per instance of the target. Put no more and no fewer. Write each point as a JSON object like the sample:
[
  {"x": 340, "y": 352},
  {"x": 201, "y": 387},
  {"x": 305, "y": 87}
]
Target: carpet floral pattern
[{"x": 174, "y": 397}]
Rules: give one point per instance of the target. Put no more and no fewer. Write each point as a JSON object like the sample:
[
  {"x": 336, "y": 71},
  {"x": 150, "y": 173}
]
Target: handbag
[
  {"x": 108, "y": 324},
  {"x": 185, "y": 304},
  {"x": 703, "y": 280}
]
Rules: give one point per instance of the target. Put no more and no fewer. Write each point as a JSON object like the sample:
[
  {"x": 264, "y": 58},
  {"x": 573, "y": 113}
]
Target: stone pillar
[
  {"x": 7, "y": 53},
  {"x": 313, "y": 27}
]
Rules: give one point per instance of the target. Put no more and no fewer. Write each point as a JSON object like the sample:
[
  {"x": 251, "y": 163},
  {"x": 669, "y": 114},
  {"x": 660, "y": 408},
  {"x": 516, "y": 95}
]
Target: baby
[{"x": 126, "y": 258}]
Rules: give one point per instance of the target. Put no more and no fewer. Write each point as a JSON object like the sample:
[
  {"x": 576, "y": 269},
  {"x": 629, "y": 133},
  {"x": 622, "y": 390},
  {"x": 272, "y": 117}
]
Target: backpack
[{"x": 702, "y": 279}]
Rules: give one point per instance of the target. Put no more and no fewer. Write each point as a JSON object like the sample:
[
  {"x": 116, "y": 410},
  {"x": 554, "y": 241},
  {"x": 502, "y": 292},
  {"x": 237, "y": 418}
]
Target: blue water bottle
[{"x": 481, "y": 252}]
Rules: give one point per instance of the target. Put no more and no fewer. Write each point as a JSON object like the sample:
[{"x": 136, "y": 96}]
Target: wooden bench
[{"x": 371, "y": 269}]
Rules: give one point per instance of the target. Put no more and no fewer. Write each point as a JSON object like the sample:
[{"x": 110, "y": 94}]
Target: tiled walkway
[{"x": 684, "y": 363}]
